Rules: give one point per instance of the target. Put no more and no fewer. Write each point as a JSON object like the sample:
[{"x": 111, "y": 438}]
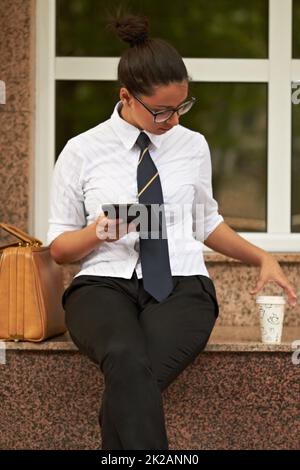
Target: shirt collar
[{"x": 129, "y": 133}]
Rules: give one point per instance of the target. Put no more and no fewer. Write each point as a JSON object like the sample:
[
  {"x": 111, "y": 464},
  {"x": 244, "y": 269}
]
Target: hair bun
[{"x": 130, "y": 28}]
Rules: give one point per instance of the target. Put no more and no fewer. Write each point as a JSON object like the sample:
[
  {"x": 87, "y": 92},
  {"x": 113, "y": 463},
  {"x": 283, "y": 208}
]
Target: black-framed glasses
[{"x": 165, "y": 115}]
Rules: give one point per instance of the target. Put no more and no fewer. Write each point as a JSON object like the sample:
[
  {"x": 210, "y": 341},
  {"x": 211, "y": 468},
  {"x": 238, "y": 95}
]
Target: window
[
  {"x": 197, "y": 28},
  {"x": 296, "y": 162},
  {"x": 239, "y": 56},
  {"x": 296, "y": 23},
  {"x": 80, "y": 105}
]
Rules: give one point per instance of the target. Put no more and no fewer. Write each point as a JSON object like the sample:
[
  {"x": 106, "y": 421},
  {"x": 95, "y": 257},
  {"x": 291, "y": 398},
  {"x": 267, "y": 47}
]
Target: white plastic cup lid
[{"x": 270, "y": 299}]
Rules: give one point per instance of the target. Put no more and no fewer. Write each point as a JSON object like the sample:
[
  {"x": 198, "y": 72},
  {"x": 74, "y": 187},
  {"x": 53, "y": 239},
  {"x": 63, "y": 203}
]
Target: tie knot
[{"x": 143, "y": 140}]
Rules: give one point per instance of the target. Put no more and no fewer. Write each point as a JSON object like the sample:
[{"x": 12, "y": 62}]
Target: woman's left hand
[{"x": 270, "y": 270}]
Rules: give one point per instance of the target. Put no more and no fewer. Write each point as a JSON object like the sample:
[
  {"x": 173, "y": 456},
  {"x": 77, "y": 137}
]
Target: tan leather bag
[{"x": 31, "y": 287}]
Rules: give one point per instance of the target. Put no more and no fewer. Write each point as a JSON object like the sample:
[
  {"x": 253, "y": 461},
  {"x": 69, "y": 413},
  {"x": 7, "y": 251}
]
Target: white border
[
  {"x": 201, "y": 70},
  {"x": 271, "y": 242},
  {"x": 45, "y": 114},
  {"x": 279, "y": 70},
  {"x": 279, "y": 117},
  {"x": 295, "y": 70}
]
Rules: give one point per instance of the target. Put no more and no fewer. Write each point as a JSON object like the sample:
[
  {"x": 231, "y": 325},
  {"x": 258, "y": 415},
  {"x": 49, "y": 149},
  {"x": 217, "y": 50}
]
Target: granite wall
[{"x": 17, "y": 70}]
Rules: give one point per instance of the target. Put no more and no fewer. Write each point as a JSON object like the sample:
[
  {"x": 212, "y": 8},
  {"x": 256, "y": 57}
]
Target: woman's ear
[{"x": 125, "y": 97}]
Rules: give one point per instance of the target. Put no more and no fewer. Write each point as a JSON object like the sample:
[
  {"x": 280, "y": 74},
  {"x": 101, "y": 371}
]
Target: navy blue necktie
[{"x": 154, "y": 252}]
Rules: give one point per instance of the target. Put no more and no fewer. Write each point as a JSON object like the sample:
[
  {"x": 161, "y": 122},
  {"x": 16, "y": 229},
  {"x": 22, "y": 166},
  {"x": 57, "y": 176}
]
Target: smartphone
[{"x": 121, "y": 211}]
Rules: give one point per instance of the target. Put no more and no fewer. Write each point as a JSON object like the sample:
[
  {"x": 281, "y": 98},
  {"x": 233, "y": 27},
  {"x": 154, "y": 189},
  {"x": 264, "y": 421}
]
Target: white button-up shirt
[{"x": 100, "y": 166}]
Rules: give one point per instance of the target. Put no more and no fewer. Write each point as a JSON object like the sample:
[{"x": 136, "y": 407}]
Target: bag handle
[{"x": 20, "y": 234}]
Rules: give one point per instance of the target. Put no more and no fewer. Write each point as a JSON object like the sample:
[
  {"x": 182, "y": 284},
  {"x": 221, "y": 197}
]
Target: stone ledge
[
  {"x": 283, "y": 257},
  {"x": 247, "y": 339},
  {"x": 223, "y": 338}
]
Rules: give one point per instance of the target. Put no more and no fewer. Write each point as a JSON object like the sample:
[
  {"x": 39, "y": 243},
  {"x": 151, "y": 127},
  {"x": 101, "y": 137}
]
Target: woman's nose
[{"x": 174, "y": 120}]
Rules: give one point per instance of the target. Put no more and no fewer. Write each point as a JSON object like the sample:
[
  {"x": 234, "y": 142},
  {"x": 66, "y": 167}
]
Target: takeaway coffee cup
[{"x": 271, "y": 311}]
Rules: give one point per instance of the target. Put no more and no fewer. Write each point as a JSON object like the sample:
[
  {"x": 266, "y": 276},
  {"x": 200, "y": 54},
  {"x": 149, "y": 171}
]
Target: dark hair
[{"x": 148, "y": 62}]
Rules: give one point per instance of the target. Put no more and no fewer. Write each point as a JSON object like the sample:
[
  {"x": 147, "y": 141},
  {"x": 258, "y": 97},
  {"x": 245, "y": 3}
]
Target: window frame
[{"x": 279, "y": 71}]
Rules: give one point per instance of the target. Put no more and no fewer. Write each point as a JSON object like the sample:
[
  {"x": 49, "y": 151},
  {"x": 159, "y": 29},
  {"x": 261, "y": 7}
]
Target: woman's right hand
[{"x": 110, "y": 230}]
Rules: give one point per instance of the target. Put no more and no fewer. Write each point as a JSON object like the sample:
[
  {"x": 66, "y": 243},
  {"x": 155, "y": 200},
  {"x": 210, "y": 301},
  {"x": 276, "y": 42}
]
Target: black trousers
[{"x": 140, "y": 345}]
